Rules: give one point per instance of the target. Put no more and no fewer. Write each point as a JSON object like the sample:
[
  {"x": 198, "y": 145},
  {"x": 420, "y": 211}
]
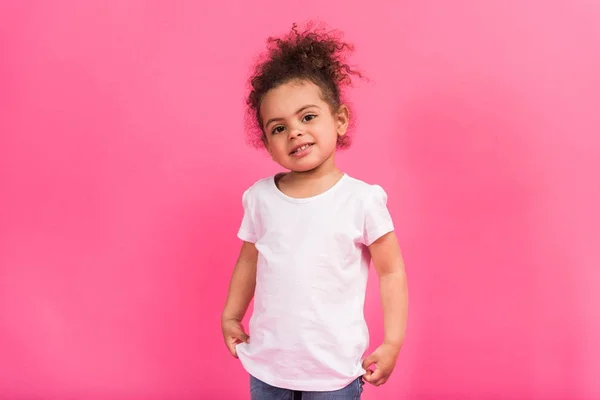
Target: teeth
[{"x": 306, "y": 146}]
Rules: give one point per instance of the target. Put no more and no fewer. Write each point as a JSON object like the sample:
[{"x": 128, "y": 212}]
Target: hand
[
  {"x": 234, "y": 334},
  {"x": 384, "y": 358}
]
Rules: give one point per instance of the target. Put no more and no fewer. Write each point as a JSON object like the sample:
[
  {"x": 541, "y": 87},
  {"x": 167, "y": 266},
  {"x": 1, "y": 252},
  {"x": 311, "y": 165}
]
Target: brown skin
[
  {"x": 315, "y": 55},
  {"x": 241, "y": 292},
  {"x": 389, "y": 264},
  {"x": 296, "y": 113}
]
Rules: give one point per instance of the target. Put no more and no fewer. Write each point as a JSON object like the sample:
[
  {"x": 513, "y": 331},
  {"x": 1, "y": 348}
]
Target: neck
[{"x": 326, "y": 169}]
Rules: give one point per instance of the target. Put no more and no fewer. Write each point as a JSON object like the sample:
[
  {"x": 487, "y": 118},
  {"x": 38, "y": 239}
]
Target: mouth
[{"x": 301, "y": 148}]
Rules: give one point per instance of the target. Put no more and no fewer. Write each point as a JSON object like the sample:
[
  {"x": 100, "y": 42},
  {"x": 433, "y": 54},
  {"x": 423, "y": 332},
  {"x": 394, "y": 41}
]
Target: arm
[
  {"x": 389, "y": 265},
  {"x": 241, "y": 292}
]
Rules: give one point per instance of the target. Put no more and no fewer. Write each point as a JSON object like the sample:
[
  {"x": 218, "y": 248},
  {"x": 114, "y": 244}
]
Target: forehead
[{"x": 287, "y": 98}]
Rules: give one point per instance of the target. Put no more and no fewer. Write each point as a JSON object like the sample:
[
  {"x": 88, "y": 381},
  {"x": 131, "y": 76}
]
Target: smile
[{"x": 301, "y": 148}]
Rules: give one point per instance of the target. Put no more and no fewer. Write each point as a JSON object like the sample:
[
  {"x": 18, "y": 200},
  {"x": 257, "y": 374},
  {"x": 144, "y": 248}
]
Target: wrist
[
  {"x": 395, "y": 344},
  {"x": 230, "y": 317}
]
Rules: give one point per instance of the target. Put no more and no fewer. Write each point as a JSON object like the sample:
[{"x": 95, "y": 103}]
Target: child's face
[{"x": 301, "y": 130}]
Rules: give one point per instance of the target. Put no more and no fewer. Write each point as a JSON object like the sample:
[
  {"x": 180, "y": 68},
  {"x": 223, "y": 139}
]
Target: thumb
[
  {"x": 240, "y": 334},
  {"x": 236, "y": 339},
  {"x": 367, "y": 362}
]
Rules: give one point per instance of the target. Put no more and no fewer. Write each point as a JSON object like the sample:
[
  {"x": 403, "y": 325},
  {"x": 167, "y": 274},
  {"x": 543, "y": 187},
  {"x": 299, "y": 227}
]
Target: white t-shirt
[{"x": 307, "y": 330}]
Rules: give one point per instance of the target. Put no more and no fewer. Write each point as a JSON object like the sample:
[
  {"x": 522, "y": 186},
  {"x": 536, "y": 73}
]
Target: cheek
[
  {"x": 329, "y": 136},
  {"x": 277, "y": 147}
]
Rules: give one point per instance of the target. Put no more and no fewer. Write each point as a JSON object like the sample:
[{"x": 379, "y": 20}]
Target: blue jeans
[{"x": 262, "y": 391}]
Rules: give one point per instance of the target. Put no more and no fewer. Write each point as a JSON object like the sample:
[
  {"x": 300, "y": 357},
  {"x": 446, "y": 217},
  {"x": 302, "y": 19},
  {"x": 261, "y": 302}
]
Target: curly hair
[{"x": 313, "y": 55}]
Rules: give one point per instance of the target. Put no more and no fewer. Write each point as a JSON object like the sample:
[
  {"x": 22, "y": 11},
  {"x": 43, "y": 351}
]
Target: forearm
[
  {"x": 241, "y": 290},
  {"x": 394, "y": 298}
]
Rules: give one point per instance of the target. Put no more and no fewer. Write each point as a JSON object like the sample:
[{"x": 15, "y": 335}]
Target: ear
[{"x": 342, "y": 120}]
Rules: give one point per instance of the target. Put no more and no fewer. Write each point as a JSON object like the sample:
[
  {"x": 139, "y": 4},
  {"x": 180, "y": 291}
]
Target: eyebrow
[{"x": 296, "y": 113}]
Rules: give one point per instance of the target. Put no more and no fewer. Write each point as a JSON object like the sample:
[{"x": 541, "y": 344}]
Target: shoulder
[
  {"x": 257, "y": 189},
  {"x": 366, "y": 191},
  {"x": 259, "y": 185}
]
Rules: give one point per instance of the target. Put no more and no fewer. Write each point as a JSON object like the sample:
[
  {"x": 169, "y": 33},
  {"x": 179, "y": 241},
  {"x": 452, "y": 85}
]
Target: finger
[
  {"x": 368, "y": 376},
  {"x": 240, "y": 335},
  {"x": 367, "y": 362},
  {"x": 377, "y": 375},
  {"x": 231, "y": 346},
  {"x": 233, "y": 342},
  {"x": 380, "y": 382}
]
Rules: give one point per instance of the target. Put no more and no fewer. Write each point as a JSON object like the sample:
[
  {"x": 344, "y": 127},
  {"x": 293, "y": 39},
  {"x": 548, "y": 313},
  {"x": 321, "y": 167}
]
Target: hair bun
[{"x": 313, "y": 54}]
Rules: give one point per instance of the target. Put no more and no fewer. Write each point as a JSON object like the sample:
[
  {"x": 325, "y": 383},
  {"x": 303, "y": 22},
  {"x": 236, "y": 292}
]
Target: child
[{"x": 308, "y": 238}]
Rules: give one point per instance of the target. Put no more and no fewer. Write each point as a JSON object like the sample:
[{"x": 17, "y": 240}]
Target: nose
[{"x": 295, "y": 131}]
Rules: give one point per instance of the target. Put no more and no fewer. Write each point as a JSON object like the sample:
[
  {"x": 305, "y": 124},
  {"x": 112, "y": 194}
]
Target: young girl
[{"x": 308, "y": 238}]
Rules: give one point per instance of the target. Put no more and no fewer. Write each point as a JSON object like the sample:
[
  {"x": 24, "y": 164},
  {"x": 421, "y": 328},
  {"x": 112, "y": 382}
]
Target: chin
[
  {"x": 301, "y": 167},
  {"x": 296, "y": 169}
]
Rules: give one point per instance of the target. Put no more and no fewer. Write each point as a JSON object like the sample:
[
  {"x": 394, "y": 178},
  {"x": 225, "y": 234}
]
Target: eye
[
  {"x": 277, "y": 129},
  {"x": 308, "y": 117}
]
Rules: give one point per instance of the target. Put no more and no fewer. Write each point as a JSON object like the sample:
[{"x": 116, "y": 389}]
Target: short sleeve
[
  {"x": 247, "y": 230},
  {"x": 377, "y": 218}
]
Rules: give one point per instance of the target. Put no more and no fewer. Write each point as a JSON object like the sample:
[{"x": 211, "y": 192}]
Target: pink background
[{"x": 122, "y": 163}]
